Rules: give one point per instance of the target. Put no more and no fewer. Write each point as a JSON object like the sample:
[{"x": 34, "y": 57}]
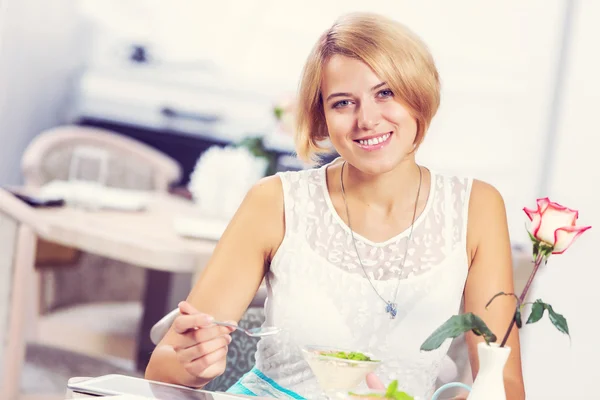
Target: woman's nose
[{"x": 368, "y": 116}]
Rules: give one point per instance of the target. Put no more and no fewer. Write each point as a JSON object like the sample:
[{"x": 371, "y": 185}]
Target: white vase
[{"x": 489, "y": 383}]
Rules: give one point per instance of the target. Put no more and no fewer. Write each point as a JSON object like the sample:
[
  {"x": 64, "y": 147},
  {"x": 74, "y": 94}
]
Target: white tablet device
[{"x": 112, "y": 385}]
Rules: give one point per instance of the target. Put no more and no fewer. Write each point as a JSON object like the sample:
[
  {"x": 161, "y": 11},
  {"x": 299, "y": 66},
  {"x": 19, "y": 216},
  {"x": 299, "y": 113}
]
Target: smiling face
[{"x": 367, "y": 124}]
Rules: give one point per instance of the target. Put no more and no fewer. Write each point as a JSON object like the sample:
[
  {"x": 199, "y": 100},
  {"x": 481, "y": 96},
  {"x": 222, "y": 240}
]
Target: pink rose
[{"x": 554, "y": 225}]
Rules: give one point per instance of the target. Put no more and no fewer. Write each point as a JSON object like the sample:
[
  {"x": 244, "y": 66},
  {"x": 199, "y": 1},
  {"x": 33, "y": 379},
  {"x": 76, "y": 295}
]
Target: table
[
  {"x": 146, "y": 239},
  {"x": 70, "y": 395}
]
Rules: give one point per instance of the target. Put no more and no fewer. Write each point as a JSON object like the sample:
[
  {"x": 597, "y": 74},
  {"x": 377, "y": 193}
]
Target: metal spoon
[{"x": 252, "y": 332}]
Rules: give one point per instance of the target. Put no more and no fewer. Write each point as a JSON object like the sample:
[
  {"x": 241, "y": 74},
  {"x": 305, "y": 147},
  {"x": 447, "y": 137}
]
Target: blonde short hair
[{"x": 393, "y": 52}]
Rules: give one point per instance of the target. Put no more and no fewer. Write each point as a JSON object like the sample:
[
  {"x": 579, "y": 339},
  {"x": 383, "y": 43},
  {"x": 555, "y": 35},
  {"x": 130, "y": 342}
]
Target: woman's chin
[{"x": 375, "y": 165}]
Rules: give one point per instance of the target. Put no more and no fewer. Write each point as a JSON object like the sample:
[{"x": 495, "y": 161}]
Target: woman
[{"x": 371, "y": 251}]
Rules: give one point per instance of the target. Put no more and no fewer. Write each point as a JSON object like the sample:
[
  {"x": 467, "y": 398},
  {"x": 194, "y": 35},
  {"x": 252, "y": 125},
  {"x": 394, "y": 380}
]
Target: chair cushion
[{"x": 92, "y": 279}]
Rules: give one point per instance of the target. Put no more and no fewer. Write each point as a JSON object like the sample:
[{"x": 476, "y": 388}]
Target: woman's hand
[
  {"x": 200, "y": 346},
  {"x": 194, "y": 351},
  {"x": 373, "y": 382}
]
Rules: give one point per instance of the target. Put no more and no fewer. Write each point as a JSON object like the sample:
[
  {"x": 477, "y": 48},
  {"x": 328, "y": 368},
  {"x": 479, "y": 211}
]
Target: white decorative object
[
  {"x": 489, "y": 383},
  {"x": 222, "y": 177}
]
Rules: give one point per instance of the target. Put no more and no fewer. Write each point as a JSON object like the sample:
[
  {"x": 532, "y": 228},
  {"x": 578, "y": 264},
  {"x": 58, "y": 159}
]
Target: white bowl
[{"x": 337, "y": 374}]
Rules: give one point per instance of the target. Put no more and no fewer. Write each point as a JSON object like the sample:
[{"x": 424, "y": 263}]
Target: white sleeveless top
[{"x": 319, "y": 295}]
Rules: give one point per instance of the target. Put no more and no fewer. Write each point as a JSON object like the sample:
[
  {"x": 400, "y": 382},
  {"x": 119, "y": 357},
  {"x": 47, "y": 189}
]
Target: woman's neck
[{"x": 392, "y": 191}]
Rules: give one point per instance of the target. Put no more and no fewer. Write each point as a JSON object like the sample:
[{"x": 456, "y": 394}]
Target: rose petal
[
  {"x": 542, "y": 204},
  {"x": 569, "y": 216},
  {"x": 535, "y": 224},
  {"x": 565, "y": 210},
  {"x": 552, "y": 220},
  {"x": 530, "y": 212},
  {"x": 564, "y": 237}
]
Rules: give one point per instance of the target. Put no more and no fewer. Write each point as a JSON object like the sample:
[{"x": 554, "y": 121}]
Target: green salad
[
  {"x": 391, "y": 393},
  {"x": 352, "y": 355}
]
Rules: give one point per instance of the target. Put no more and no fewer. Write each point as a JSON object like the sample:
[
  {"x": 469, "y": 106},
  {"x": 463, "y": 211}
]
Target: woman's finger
[
  {"x": 203, "y": 348},
  {"x": 373, "y": 382},
  {"x": 197, "y": 336},
  {"x": 187, "y": 309},
  {"x": 210, "y": 333},
  {"x": 185, "y": 323},
  {"x": 201, "y": 365}
]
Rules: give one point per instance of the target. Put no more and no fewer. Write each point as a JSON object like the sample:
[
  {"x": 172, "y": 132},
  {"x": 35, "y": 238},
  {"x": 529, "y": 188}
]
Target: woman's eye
[
  {"x": 386, "y": 93},
  {"x": 341, "y": 104}
]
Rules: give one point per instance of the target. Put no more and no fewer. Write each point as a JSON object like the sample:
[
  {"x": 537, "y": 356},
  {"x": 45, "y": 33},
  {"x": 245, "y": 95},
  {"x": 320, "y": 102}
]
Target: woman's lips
[{"x": 374, "y": 142}]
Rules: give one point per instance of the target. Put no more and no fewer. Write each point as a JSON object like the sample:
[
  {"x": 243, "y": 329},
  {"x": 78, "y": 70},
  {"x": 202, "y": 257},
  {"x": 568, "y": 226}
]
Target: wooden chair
[
  {"x": 18, "y": 230},
  {"x": 75, "y": 284}
]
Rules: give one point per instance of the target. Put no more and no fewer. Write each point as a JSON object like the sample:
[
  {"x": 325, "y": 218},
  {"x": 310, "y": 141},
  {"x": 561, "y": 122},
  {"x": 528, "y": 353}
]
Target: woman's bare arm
[
  {"x": 491, "y": 272},
  {"x": 230, "y": 280}
]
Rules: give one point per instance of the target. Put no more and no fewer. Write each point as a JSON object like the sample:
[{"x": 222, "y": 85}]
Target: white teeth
[{"x": 373, "y": 141}]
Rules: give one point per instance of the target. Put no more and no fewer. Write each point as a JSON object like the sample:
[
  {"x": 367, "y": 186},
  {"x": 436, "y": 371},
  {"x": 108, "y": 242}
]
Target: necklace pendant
[{"x": 392, "y": 309}]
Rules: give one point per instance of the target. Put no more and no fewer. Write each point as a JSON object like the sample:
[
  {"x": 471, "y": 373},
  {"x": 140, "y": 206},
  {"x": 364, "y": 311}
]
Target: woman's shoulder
[
  {"x": 308, "y": 175},
  {"x": 451, "y": 180},
  {"x": 487, "y": 216},
  {"x": 479, "y": 195},
  {"x": 486, "y": 198},
  {"x": 265, "y": 197},
  {"x": 274, "y": 187}
]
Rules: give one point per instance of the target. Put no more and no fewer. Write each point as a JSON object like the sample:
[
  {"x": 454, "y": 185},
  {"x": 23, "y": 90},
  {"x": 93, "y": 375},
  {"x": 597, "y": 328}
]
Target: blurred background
[{"x": 520, "y": 96}]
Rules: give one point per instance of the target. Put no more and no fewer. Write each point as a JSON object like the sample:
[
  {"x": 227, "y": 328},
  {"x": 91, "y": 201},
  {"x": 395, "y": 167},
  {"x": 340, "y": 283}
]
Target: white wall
[
  {"x": 497, "y": 63},
  {"x": 555, "y": 367},
  {"x": 39, "y": 49}
]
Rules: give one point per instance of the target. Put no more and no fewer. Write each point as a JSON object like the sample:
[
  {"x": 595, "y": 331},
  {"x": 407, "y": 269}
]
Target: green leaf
[
  {"x": 546, "y": 250},
  {"x": 456, "y": 325},
  {"x": 391, "y": 389},
  {"x": 518, "y": 319},
  {"x": 503, "y": 294},
  {"x": 494, "y": 298},
  {"x": 278, "y": 112},
  {"x": 537, "y": 312},
  {"x": 558, "y": 320},
  {"x": 256, "y": 146},
  {"x": 517, "y": 315},
  {"x": 391, "y": 392},
  {"x": 536, "y": 244},
  {"x": 403, "y": 396}
]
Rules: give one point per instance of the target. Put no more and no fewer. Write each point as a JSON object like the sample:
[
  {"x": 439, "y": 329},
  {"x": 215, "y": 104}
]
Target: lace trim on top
[{"x": 437, "y": 230}]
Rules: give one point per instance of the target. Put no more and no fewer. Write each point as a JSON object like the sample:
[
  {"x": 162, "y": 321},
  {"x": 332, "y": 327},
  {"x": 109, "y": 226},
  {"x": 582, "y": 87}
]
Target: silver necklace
[{"x": 391, "y": 307}]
